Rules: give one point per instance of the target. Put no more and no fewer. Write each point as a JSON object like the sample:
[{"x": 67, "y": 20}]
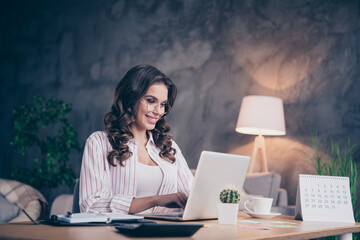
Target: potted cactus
[{"x": 228, "y": 206}]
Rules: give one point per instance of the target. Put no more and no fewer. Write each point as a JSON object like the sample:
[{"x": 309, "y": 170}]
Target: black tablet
[{"x": 158, "y": 230}]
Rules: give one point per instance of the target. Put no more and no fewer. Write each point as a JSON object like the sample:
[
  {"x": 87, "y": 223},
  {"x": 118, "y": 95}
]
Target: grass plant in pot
[
  {"x": 339, "y": 160},
  {"x": 228, "y": 206}
]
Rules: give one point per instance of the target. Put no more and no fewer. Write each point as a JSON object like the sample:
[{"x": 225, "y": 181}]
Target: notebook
[
  {"x": 90, "y": 217},
  {"x": 215, "y": 171}
]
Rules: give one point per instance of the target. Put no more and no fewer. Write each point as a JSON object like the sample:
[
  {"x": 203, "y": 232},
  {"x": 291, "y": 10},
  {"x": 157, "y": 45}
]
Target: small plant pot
[{"x": 227, "y": 213}]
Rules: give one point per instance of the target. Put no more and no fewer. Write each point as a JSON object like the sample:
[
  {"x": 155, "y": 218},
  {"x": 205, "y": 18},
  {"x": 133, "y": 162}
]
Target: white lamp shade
[{"x": 261, "y": 115}]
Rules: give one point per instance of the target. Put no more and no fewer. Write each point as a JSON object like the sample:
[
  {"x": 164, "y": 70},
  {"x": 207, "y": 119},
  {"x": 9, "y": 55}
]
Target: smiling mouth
[{"x": 151, "y": 119}]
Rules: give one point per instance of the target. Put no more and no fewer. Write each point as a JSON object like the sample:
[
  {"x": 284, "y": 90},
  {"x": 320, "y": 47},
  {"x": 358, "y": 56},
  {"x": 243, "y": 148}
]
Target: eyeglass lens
[{"x": 152, "y": 106}]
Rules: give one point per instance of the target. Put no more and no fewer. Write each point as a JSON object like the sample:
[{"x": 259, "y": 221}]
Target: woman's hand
[{"x": 175, "y": 200}]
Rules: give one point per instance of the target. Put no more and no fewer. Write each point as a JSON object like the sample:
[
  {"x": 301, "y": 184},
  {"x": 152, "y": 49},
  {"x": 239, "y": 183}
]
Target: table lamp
[{"x": 261, "y": 115}]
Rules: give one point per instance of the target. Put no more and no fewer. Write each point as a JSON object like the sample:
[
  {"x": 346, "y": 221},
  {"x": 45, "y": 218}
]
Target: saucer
[{"x": 261, "y": 215}]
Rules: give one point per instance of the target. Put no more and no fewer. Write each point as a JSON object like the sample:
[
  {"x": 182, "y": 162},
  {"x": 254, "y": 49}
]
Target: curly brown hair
[{"x": 131, "y": 88}]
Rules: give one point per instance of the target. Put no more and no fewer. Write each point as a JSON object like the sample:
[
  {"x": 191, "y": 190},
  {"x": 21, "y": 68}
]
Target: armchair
[{"x": 268, "y": 185}]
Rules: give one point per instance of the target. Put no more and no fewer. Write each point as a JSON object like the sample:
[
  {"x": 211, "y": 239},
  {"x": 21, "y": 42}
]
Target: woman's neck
[{"x": 140, "y": 136}]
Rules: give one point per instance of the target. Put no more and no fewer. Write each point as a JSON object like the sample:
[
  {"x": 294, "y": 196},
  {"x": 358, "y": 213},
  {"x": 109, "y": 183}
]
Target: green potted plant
[
  {"x": 44, "y": 133},
  {"x": 338, "y": 162},
  {"x": 228, "y": 206}
]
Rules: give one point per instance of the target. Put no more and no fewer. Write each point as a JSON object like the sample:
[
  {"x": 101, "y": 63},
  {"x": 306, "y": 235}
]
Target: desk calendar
[{"x": 323, "y": 198}]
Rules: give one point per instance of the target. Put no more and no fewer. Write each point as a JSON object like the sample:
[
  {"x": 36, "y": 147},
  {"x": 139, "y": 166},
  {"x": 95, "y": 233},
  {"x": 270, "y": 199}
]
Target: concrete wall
[{"x": 217, "y": 52}]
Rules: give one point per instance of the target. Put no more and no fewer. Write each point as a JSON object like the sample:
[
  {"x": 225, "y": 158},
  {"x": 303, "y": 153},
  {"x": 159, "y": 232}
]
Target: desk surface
[{"x": 299, "y": 230}]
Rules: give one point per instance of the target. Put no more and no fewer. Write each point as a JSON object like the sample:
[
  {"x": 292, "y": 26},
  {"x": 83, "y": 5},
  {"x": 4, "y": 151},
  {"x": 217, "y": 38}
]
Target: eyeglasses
[{"x": 152, "y": 105}]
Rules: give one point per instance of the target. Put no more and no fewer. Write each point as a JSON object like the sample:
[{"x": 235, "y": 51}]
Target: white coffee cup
[{"x": 261, "y": 205}]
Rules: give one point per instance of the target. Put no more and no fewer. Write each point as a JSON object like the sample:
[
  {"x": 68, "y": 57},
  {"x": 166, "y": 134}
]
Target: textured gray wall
[{"x": 305, "y": 52}]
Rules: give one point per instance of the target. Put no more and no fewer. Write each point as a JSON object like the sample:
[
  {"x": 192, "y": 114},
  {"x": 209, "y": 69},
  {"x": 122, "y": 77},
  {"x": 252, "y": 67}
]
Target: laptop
[{"x": 215, "y": 172}]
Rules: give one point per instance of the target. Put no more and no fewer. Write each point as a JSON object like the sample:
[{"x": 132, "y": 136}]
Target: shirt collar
[{"x": 151, "y": 139}]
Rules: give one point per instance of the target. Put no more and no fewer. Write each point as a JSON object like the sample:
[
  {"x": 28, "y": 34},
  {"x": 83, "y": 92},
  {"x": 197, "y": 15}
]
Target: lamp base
[{"x": 259, "y": 145}]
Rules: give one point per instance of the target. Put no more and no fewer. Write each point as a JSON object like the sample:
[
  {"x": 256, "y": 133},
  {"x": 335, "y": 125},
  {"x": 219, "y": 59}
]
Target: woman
[{"x": 134, "y": 165}]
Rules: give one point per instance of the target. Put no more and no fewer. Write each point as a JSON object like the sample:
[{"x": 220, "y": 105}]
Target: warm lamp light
[{"x": 261, "y": 115}]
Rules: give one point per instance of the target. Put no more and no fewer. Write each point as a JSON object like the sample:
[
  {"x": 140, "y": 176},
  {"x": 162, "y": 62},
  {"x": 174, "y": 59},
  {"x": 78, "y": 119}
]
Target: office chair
[{"x": 76, "y": 207}]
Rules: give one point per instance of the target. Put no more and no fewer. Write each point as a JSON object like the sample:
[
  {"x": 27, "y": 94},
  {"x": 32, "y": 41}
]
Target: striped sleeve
[
  {"x": 95, "y": 190},
  {"x": 184, "y": 176}
]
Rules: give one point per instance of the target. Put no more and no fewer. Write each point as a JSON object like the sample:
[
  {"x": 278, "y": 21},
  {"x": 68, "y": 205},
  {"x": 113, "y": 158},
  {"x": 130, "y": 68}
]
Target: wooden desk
[{"x": 302, "y": 230}]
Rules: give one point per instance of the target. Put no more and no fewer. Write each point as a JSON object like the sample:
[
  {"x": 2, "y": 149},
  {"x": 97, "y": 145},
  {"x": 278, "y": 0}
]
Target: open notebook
[{"x": 91, "y": 217}]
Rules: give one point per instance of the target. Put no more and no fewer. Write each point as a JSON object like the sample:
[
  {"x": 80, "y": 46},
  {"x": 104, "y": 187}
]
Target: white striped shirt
[{"x": 105, "y": 188}]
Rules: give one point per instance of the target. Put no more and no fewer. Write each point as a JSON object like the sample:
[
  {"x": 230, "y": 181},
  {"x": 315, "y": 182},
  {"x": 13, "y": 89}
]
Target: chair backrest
[
  {"x": 61, "y": 204},
  {"x": 265, "y": 184},
  {"x": 76, "y": 207}
]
